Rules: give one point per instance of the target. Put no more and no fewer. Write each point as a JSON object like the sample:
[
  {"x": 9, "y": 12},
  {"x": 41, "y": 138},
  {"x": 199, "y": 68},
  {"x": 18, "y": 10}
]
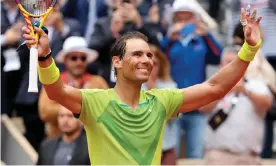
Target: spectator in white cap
[
  {"x": 190, "y": 47},
  {"x": 74, "y": 45},
  {"x": 75, "y": 56}
]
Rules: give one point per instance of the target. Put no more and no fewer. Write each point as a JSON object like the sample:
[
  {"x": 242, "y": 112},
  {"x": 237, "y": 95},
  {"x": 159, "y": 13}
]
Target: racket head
[{"x": 35, "y": 8}]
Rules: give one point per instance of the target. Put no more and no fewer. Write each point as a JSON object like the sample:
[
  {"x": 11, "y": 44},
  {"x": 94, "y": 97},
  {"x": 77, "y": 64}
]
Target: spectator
[
  {"x": 68, "y": 149},
  {"x": 160, "y": 78},
  {"x": 236, "y": 122},
  {"x": 155, "y": 14},
  {"x": 14, "y": 75},
  {"x": 261, "y": 68},
  {"x": 189, "y": 54},
  {"x": 26, "y": 104},
  {"x": 124, "y": 18},
  {"x": 11, "y": 24},
  {"x": 75, "y": 56},
  {"x": 58, "y": 30}
]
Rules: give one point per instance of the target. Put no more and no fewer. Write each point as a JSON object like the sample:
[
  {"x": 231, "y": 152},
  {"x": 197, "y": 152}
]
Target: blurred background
[{"x": 191, "y": 40}]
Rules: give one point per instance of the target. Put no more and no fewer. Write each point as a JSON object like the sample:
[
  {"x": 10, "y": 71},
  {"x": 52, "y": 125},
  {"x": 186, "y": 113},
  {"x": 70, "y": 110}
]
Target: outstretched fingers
[
  {"x": 253, "y": 16},
  {"x": 259, "y": 20},
  {"x": 248, "y": 14},
  {"x": 242, "y": 14},
  {"x": 248, "y": 10},
  {"x": 249, "y": 17},
  {"x": 243, "y": 18},
  {"x": 254, "y": 19}
]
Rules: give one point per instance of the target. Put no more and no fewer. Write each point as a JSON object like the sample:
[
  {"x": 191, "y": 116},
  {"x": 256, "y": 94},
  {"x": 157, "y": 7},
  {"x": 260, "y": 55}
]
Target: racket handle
[{"x": 33, "y": 76}]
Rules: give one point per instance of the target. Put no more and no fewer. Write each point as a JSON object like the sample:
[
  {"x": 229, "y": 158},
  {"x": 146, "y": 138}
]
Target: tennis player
[{"x": 124, "y": 125}]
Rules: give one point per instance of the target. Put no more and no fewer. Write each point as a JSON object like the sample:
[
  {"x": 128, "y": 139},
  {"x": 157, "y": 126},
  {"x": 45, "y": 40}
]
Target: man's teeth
[{"x": 142, "y": 69}]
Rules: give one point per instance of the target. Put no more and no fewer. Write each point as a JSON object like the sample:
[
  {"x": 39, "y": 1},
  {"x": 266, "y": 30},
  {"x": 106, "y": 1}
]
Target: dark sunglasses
[{"x": 75, "y": 58}]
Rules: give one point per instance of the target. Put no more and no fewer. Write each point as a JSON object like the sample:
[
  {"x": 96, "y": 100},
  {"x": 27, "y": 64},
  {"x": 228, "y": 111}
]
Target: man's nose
[
  {"x": 146, "y": 59},
  {"x": 79, "y": 61}
]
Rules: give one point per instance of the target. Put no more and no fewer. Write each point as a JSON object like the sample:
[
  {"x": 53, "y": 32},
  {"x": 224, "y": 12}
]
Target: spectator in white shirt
[{"x": 235, "y": 127}]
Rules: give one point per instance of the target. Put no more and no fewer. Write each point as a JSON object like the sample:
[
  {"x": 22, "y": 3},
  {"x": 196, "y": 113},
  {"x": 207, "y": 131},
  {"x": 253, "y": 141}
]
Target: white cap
[
  {"x": 76, "y": 44},
  {"x": 184, "y": 5},
  {"x": 194, "y": 7}
]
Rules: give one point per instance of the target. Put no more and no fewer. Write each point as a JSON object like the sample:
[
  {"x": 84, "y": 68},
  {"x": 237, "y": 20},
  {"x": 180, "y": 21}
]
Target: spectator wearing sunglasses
[{"x": 75, "y": 57}]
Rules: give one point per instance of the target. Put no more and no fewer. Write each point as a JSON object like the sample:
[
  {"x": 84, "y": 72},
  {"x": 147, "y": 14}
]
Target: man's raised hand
[
  {"x": 43, "y": 41},
  {"x": 251, "y": 25}
]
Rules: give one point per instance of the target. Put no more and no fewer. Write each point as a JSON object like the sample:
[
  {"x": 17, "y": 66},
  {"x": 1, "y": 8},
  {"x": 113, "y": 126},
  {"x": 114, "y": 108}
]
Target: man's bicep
[
  {"x": 197, "y": 96},
  {"x": 72, "y": 99}
]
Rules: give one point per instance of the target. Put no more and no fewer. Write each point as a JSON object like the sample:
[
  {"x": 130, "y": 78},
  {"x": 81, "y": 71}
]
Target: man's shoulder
[
  {"x": 164, "y": 93},
  {"x": 161, "y": 90},
  {"x": 96, "y": 93},
  {"x": 152, "y": 91}
]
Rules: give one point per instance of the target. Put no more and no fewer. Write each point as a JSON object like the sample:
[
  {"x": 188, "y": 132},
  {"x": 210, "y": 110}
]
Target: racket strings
[{"x": 36, "y": 7}]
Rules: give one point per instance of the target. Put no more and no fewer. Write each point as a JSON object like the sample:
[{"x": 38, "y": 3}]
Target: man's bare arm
[
  {"x": 65, "y": 95},
  {"x": 215, "y": 88},
  {"x": 222, "y": 82},
  {"x": 48, "y": 109}
]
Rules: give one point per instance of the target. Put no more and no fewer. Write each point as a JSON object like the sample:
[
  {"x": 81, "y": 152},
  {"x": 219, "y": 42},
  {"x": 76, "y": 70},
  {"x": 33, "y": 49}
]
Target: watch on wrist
[{"x": 41, "y": 59}]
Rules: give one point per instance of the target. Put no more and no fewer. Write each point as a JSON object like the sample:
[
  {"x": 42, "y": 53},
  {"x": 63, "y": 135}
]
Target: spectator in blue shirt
[{"x": 190, "y": 47}]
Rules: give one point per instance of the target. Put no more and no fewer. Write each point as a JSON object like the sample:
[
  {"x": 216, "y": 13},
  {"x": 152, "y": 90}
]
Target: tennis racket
[{"x": 34, "y": 11}]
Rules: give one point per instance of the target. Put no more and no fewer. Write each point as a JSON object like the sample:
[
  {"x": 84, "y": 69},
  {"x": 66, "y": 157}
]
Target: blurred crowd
[{"x": 185, "y": 37}]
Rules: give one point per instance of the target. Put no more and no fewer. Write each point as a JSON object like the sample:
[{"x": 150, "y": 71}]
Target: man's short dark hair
[{"x": 119, "y": 47}]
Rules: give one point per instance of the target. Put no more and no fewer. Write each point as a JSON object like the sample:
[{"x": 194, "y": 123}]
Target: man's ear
[{"x": 117, "y": 62}]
